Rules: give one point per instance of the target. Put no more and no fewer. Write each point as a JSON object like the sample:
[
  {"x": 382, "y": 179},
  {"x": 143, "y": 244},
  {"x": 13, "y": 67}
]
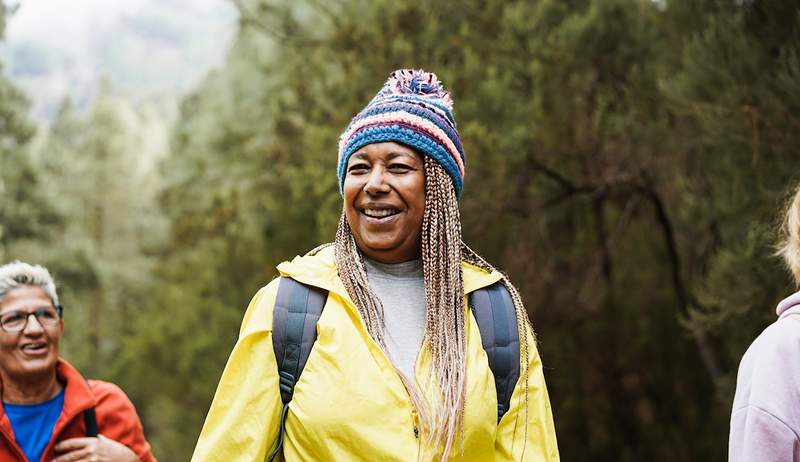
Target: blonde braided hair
[{"x": 445, "y": 327}]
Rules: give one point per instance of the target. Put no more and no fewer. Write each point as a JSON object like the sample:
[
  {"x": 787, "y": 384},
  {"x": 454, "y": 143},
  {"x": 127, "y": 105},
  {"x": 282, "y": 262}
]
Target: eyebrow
[
  {"x": 20, "y": 310},
  {"x": 396, "y": 154},
  {"x": 361, "y": 155}
]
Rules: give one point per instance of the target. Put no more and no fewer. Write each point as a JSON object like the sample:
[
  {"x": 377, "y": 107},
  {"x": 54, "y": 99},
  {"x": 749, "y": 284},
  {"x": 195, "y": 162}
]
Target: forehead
[
  {"x": 385, "y": 151},
  {"x": 25, "y": 297}
]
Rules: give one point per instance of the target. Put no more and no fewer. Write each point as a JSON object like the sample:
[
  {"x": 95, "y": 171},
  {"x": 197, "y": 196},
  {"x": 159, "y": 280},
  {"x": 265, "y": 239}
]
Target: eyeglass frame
[{"x": 59, "y": 312}]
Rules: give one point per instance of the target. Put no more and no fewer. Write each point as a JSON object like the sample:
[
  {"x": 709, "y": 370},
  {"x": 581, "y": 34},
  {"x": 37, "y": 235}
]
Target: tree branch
[{"x": 707, "y": 354}]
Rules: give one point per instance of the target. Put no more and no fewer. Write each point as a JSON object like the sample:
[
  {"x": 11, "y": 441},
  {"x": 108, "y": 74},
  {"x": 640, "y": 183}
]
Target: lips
[
  {"x": 380, "y": 212},
  {"x": 34, "y": 348}
]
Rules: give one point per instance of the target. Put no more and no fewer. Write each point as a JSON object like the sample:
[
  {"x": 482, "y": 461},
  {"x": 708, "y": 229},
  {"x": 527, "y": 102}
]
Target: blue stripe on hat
[{"x": 415, "y": 139}]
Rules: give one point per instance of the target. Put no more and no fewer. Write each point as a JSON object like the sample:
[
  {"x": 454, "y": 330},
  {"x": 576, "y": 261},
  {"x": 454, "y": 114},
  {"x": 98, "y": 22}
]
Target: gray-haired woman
[{"x": 49, "y": 411}]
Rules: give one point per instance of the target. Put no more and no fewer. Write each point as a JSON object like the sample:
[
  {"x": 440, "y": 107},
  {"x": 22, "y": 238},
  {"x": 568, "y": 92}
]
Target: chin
[
  {"x": 39, "y": 367},
  {"x": 380, "y": 244},
  {"x": 380, "y": 249}
]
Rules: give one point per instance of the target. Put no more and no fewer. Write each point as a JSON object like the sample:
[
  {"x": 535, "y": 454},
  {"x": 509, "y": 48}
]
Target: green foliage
[
  {"x": 626, "y": 165},
  {"x": 24, "y": 212},
  {"x": 614, "y": 150},
  {"x": 87, "y": 195},
  {"x": 99, "y": 173}
]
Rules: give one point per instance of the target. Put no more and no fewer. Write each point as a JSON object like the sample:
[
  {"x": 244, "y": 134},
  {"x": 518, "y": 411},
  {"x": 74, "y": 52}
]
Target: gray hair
[{"x": 18, "y": 274}]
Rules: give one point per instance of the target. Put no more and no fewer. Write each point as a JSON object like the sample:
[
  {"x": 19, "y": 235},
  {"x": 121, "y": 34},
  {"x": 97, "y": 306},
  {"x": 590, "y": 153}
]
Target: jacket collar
[
  {"x": 77, "y": 398},
  {"x": 318, "y": 269},
  {"x": 77, "y": 395},
  {"x": 76, "y": 391}
]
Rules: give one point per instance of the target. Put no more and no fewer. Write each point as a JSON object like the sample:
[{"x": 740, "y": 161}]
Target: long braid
[
  {"x": 445, "y": 330},
  {"x": 441, "y": 411},
  {"x": 350, "y": 263}
]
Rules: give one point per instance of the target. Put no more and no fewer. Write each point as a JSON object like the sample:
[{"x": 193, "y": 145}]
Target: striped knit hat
[{"x": 413, "y": 109}]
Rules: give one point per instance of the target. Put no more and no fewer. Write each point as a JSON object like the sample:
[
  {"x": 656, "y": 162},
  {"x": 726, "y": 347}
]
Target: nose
[
  {"x": 33, "y": 326},
  {"x": 376, "y": 182}
]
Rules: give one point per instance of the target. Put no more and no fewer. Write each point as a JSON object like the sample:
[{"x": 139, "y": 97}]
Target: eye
[
  {"x": 15, "y": 317},
  {"x": 358, "y": 168},
  {"x": 397, "y": 167},
  {"x": 47, "y": 314}
]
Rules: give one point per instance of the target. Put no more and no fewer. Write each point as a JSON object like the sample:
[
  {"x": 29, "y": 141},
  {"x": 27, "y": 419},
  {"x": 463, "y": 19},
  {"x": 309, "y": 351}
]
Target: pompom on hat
[{"x": 413, "y": 109}]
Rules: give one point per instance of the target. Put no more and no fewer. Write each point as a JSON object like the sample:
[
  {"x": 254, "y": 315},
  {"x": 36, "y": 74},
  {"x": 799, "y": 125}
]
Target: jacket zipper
[
  {"x": 414, "y": 420},
  {"x": 415, "y": 424}
]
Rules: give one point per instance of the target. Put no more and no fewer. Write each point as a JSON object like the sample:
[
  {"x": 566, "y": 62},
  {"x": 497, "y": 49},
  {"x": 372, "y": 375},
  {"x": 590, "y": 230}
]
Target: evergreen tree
[
  {"x": 24, "y": 214},
  {"x": 625, "y": 162}
]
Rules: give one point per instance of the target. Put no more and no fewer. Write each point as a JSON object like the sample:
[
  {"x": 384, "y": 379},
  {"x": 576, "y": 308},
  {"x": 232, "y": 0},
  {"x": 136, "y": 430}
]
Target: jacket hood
[
  {"x": 318, "y": 268},
  {"x": 789, "y": 305}
]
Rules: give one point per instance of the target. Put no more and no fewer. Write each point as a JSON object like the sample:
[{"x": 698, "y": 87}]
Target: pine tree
[
  {"x": 625, "y": 162},
  {"x": 24, "y": 214}
]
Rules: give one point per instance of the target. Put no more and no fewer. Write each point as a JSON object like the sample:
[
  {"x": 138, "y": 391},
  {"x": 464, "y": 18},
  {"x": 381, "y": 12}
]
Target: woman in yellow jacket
[{"x": 398, "y": 371}]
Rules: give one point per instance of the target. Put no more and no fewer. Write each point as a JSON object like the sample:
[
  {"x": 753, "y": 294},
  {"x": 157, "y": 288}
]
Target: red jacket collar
[
  {"x": 77, "y": 398},
  {"x": 77, "y": 395}
]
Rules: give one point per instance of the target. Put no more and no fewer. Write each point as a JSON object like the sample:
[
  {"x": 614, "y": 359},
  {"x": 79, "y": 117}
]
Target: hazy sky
[
  {"x": 145, "y": 47},
  {"x": 51, "y": 20}
]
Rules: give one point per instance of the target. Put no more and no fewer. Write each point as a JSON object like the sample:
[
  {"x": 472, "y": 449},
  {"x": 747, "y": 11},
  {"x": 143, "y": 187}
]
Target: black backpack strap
[
  {"x": 294, "y": 331},
  {"x": 496, "y": 316},
  {"x": 90, "y": 419}
]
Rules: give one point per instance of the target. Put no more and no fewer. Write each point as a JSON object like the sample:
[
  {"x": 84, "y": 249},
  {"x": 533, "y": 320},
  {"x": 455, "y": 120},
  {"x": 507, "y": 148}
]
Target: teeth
[{"x": 380, "y": 213}]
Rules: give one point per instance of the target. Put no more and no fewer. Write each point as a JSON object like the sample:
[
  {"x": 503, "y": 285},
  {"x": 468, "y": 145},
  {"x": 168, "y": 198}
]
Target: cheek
[
  {"x": 351, "y": 215},
  {"x": 349, "y": 195},
  {"x": 7, "y": 344},
  {"x": 55, "y": 333},
  {"x": 349, "y": 209}
]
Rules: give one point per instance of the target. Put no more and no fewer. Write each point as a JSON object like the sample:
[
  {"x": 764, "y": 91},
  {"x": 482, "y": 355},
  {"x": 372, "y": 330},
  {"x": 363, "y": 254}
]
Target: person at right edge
[
  {"x": 397, "y": 372},
  {"x": 765, "y": 421}
]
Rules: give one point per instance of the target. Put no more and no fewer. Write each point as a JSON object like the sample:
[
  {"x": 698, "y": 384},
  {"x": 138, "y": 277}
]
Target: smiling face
[
  {"x": 384, "y": 201},
  {"x": 33, "y": 352}
]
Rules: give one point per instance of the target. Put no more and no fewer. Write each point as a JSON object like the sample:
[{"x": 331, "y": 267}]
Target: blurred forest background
[{"x": 627, "y": 161}]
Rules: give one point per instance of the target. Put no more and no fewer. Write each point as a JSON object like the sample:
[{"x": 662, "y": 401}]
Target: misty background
[{"x": 627, "y": 165}]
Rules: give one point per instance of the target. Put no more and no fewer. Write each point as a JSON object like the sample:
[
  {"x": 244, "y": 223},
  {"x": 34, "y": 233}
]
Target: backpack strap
[
  {"x": 294, "y": 330},
  {"x": 90, "y": 419},
  {"x": 496, "y": 316}
]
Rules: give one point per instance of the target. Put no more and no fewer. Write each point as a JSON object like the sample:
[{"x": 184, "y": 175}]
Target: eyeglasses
[{"x": 16, "y": 321}]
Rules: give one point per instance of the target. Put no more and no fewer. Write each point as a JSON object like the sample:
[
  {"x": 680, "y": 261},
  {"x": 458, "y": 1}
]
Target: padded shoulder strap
[
  {"x": 497, "y": 321},
  {"x": 90, "y": 419},
  {"x": 294, "y": 331}
]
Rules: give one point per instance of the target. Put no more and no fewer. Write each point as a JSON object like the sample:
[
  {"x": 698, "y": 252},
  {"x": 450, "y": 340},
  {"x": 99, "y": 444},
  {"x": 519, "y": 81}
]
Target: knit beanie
[{"x": 412, "y": 109}]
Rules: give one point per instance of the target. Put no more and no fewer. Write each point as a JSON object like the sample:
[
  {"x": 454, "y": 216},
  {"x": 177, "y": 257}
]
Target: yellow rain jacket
[{"x": 349, "y": 403}]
